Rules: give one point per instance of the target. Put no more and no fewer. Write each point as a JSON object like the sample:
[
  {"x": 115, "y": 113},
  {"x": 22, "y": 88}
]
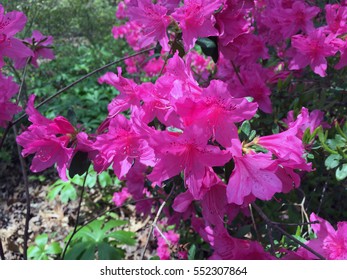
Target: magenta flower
[
  {"x": 286, "y": 146},
  {"x": 305, "y": 120},
  {"x": 254, "y": 176},
  {"x": 41, "y": 47},
  {"x": 49, "y": 140},
  {"x": 10, "y": 24},
  {"x": 312, "y": 50},
  {"x": 298, "y": 18},
  {"x": 196, "y": 19},
  {"x": 187, "y": 152},
  {"x": 8, "y": 89},
  {"x": 121, "y": 146},
  {"x": 216, "y": 110},
  {"x": 170, "y": 239},
  {"x": 232, "y": 21},
  {"x": 336, "y": 17},
  {"x": 227, "y": 247},
  {"x": 154, "y": 21},
  {"x": 120, "y": 197},
  {"x": 330, "y": 243},
  {"x": 129, "y": 95}
]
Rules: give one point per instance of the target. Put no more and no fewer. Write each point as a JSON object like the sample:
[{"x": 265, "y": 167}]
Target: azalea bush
[{"x": 227, "y": 120}]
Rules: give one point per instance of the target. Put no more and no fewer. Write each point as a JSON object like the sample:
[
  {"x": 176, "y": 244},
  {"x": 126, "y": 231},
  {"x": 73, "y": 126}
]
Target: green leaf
[
  {"x": 332, "y": 161},
  {"x": 76, "y": 251},
  {"x": 79, "y": 164},
  {"x": 341, "y": 172},
  {"x": 209, "y": 47},
  {"x": 54, "y": 249},
  {"x": 246, "y": 128},
  {"x": 34, "y": 252},
  {"x": 41, "y": 240},
  {"x": 55, "y": 190},
  {"x": 107, "y": 252},
  {"x": 105, "y": 179},
  {"x": 192, "y": 252},
  {"x": 125, "y": 237},
  {"x": 68, "y": 192}
]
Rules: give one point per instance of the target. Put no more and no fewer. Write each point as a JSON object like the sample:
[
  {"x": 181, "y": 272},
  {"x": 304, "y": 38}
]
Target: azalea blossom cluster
[
  {"x": 183, "y": 132},
  {"x": 19, "y": 51}
]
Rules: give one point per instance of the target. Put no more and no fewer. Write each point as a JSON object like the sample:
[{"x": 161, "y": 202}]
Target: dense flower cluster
[
  {"x": 19, "y": 51},
  {"x": 184, "y": 126}
]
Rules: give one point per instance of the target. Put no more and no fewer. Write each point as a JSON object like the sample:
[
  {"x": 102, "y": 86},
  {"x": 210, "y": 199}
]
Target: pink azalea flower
[
  {"x": 227, "y": 247},
  {"x": 298, "y": 17},
  {"x": 232, "y": 21},
  {"x": 131, "y": 31},
  {"x": 186, "y": 152},
  {"x": 10, "y": 24},
  {"x": 153, "y": 66},
  {"x": 163, "y": 249},
  {"x": 120, "y": 197},
  {"x": 245, "y": 49},
  {"x": 128, "y": 89},
  {"x": 336, "y": 17},
  {"x": 254, "y": 176},
  {"x": 8, "y": 89},
  {"x": 254, "y": 85},
  {"x": 312, "y": 50},
  {"x": 330, "y": 243},
  {"x": 41, "y": 47},
  {"x": 154, "y": 21},
  {"x": 286, "y": 146},
  {"x": 305, "y": 120},
  {"x": 121, "y": 146},
  {"x": 217, "y": 111},
  {"x": 196, "y": 19},
  {"x": 49, "y": 140}
]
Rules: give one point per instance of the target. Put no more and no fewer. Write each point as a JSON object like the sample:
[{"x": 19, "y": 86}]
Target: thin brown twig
[
  {"x": 155, "y": 222},
  {"x": 271, "y": 224},
  {"x": 27, "y": 196}
]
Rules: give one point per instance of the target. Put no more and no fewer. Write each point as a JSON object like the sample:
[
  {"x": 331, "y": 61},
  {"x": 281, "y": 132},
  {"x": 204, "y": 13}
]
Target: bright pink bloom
[
  {"x": 312, "y": 50},
  {"x": 232, "y": 21},
  {"x": 253, "y": 85},
  {"x": 216, "y": 110},
  {"x": 186, "y": 152},
  {"x": 10, "y": 24},
  {"x": 154, "y": 21},
  {"x": 41, "y": 47},
  {"x": 163, "y": 249},
  {"x": 120, "y": 197},
  {"x": 131, "y": 31},
  {"x": 129, "y": 94},
  {"x": 196, "y": 19},
  {"x": 305, "y": 120},
  {"x": 153, "y": 66},
  {"x": 336, "y": 17},
  {"x": 330, "y": 243},
  {"x": 227, "y": 247},
  {"x": 286, "y": 146},
  {"x": 8, "y": 89},
  {"x": 121, "y": 146},
  {"x": 245, "y": 49},
  {"x": 253, "y": 176},
  {"x": 48, "y": 139}
]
